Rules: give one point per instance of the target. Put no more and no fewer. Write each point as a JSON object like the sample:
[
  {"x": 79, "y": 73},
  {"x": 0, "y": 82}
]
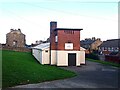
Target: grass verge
[
  {"x": 22, "y": 68},
  {"x": 104, "y": 62}
]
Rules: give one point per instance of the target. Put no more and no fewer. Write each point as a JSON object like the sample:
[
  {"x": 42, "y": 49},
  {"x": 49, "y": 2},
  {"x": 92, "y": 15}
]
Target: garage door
[{"x": 71, "y": 59}]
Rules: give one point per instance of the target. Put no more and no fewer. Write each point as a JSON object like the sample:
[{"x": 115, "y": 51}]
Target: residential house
[
  {"x": 110, "y": 47},
  {"x": 90, "y": 44}
]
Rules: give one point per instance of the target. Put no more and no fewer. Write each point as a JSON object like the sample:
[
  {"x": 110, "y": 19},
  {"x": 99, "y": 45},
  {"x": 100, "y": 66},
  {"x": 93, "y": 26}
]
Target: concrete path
[{"x": 91, "y": 75}]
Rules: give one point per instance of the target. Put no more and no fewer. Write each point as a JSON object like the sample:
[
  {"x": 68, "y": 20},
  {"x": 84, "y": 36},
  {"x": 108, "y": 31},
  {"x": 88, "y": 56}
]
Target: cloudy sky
[{"x": 98, "y": 18}]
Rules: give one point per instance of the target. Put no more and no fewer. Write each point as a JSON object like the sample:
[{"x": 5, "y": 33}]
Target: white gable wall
[
  {"x": 53, "y": 57},
  {"x": 37, "y": 54},
  {"x": 46, "y": 56},
  {"x": 82, "y": 57}
]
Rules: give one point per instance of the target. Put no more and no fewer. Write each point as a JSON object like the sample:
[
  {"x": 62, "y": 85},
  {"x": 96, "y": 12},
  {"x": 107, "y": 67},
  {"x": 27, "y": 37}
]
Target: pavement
[{"x": 91, "y": 75}]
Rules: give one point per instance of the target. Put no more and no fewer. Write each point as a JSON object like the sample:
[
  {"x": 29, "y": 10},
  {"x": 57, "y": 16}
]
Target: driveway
[{"x": 91, "y": 75}]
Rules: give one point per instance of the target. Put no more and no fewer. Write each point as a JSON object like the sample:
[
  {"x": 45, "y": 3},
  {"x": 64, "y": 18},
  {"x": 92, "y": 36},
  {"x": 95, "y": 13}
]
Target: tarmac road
[{"x": 91, "y": 75}]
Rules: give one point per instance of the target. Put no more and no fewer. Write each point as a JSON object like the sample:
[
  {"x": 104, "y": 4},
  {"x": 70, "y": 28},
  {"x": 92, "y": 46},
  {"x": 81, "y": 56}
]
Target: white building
[
  {"x": 42, "y": 54},
  {"x": 64, "y": 48}
]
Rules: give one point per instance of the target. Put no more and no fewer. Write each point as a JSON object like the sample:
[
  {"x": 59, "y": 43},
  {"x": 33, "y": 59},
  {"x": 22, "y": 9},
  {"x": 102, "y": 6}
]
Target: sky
[{"x": 98, "y": 18}]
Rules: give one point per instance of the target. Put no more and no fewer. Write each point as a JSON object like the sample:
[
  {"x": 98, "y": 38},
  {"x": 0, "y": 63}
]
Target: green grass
[
  {"x": 104, "y": 62},
  {"x": 21, "y": 68}
]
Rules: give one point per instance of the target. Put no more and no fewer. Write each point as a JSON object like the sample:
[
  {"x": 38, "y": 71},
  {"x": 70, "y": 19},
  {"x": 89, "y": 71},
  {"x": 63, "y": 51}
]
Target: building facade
[
  {"x": 63, "y": 49},
  {"x": 64, "y": 46},
  {"x": 15, "y": 38},
  {"x": 95, "y": 45},
  {"x": 110, "y": 47},
  {"x": 42, "y": 53}
]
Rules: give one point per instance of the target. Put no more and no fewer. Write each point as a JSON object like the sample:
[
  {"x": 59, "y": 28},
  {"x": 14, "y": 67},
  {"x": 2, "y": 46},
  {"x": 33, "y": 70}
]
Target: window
[
  {"x": 15, "y": 43},
  {"x": 108, "y": 48},
  {"x": 102, "y": 48},
  {"x": 116, "y": 49},
  {"x": 105, "y": 48},
  {"x": 112, "y": 48},
  {"x": 46, "y": 51},
  {"x": 56, "y": 38}
]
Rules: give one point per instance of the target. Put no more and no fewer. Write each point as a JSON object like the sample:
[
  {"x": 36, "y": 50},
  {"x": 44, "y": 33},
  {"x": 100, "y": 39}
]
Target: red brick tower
[
  {"x": 64, "y": 45},
  {"x": 53, "y": 26}
]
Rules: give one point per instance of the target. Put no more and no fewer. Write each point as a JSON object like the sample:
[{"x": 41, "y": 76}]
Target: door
[{"x": 71, "y": 59}]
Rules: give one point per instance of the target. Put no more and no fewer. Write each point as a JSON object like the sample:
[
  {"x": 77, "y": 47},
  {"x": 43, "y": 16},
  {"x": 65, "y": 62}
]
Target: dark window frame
[{"x": 46, "y": 51}]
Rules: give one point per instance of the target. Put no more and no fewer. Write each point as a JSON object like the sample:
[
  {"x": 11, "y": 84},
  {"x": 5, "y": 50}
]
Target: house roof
[
  {"x": 86, "y": 42},
  {"x": 111, "y": 43},
  {"x": 47, "y": 45},
  {"x": 42, "y": 46},
  {"x": 82, "y": 49},
  {"x": 68, "y": 29}
]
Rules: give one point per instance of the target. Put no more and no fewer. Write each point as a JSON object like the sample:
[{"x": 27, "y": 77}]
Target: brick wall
[
  {"x": 115, "y": 59},
  {"x": 65, "y": 38}
]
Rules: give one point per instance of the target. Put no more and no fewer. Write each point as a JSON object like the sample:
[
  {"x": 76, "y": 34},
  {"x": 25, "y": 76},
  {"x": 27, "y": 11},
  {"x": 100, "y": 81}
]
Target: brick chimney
[{"x": 53, "y": 25}]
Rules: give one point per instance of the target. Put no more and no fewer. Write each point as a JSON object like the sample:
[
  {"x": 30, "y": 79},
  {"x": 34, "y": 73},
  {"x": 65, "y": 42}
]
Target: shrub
[{"x": 92, "y": 56}]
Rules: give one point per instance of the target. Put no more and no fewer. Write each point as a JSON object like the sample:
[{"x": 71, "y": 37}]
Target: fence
[{"x": 115, "y": 59}]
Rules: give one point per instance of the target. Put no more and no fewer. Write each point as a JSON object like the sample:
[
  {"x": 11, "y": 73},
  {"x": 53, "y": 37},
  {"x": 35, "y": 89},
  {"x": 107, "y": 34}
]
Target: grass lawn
[
  {"x": 21, "y": 68},
  {"x": 104, "y": 62}
]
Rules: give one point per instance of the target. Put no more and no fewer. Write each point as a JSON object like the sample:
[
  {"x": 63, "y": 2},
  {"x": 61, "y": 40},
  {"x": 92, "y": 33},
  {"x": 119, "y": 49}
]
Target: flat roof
[{"x": 77, "y": 29}]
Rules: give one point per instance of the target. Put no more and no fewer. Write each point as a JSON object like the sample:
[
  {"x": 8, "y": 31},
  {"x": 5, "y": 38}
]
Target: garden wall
[
  {"x": 115, "y": 59},
  {"x": 20, "y": 49}
]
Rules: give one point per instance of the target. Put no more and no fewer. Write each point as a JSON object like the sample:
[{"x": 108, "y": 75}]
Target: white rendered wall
[
  {"x": 59, "y": 58},
  {"x": 37, "y": 54},
  {"x": 62, "y": 58},
  {"x": 82, "y": 57},
  {"x": 46, "y": 56},
  {"x": 53, "y": 57}
]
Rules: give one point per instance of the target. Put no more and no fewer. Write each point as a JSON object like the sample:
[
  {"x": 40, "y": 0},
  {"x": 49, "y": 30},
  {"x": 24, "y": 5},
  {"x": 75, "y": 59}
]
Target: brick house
[
  {"x": 110, "y": 50},
  {"x": 15, "y": 38},
  {"x": 109, "y": 47},
  {"x": 64, "y": 47}
]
